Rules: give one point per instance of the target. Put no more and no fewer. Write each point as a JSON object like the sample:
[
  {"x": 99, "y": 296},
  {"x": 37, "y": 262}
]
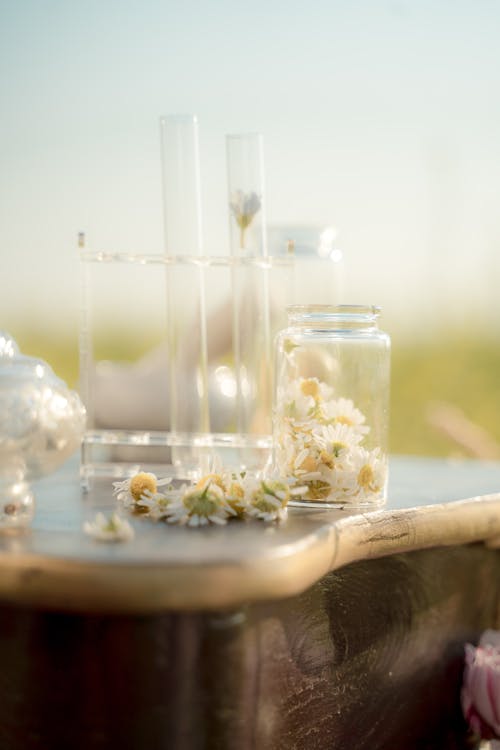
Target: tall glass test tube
[
  {"x": 186, "y": 299},
  {"x": 181, "y": 185},
  {"x": 250, "y": 281}
]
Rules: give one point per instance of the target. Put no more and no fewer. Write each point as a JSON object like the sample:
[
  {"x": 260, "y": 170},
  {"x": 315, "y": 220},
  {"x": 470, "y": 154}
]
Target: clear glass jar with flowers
[{"x": 331, "y": 404}]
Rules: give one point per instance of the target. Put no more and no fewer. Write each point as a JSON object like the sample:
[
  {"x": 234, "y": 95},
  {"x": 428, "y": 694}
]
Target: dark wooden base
[{"x": 370, "y": 658}]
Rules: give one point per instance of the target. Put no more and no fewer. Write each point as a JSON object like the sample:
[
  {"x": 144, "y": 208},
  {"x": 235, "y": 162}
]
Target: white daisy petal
[{"x": 300, "y": 457}]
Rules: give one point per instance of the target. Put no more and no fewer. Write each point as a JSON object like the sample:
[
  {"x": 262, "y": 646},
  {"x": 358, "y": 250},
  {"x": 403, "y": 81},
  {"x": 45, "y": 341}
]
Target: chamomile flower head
[
  {"x": 343, "y": 412},
  {"x": 304, "y": 398},
  {"x": 267, "y": 498},
  {"x": 325, "y": 451},
  {"x": 318, "y": 489},
  {"x": 310, "y": 387},
  {"x": 155, "y": 506},
  {"x": 200, "y": 505},
  {"x": 143, "y": 484},
  {"x": 235, "y": 495},
  {"x": 338, "y": 440},
  {"x": 366, "y": 476},
  {"x": 230, "y": 482},
  {"x": 216, "y": 479},
  {"x": 113, "y": 529},
  {"x": 306, "y": 461}
]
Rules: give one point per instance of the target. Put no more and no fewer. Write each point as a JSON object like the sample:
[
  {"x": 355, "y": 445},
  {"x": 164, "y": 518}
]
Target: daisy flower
[
  {"x": 366, "y": 476},
  {"x": 231, "y": 483},
  {"x": 292, "y": 448},
  {"x": 342, "y": 411},
  {"x": 141, "y": 485},
  {"x": 113, "y": 529},
  {"x": 338, "y": 440},
  {"x": 304, "y": 397},
  {"x": 155, "y": 505},
  {"x": 235, "y": 495},
  {"x": 268, "y": 498},
  {"x": 327, "y": 448},
  {"x": 200, "y": 505},
  {"x": 318, "y": 489},
  {"x": 306, "y": 461}
]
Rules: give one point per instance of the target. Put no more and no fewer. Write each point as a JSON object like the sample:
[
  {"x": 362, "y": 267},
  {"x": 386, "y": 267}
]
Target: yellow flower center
[
  {"x": 327, "y": 459},
  {"x": 236, "y": 496},
  {"x": 317, "y": 490},
  {"x": 210, "y": 479},
  {"x": 337, "y": 448},
  {"x": 140, "y": 483},
  {"x": 366, "y": 477},
  {"x": 309, "y": 464},
  {"x": 304, "y": 430},
  {"x": 236, "y": 490},
  {"x": 310, "y": 387},
  {"x": 342, "y": 419}
]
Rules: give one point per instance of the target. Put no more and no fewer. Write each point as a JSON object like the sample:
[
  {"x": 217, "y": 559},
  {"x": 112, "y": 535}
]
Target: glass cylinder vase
[{"x": 331, "y": 405}]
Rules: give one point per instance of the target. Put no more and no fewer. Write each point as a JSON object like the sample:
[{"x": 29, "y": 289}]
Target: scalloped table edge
[{"x": 75, "y": 586}]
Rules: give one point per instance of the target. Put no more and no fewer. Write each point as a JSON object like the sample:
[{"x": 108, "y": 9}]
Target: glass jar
[{"x": 331, "y": 405}]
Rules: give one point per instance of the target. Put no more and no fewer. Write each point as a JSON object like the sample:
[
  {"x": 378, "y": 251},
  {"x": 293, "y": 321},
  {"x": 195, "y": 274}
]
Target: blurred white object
[{"x": 41, "y": 425}]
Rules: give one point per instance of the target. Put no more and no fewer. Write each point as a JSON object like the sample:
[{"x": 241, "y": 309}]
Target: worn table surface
[{"x": 431, "y": 503}]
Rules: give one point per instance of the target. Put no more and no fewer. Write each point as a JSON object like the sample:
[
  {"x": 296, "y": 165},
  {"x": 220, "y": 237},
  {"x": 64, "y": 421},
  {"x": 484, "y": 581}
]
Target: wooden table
[{"x": 331, "y": 631}]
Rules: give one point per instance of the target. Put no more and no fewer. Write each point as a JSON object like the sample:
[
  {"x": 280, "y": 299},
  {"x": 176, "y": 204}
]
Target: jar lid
[{"x": 342, "y": 314}]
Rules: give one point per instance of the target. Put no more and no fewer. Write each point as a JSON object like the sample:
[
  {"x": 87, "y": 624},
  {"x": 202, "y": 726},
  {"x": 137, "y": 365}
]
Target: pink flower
[{"x": 481, "y": 686}]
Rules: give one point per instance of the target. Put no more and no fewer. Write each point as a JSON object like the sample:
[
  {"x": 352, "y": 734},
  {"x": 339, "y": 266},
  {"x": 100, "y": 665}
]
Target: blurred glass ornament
[{"x": 41, "y": 425}]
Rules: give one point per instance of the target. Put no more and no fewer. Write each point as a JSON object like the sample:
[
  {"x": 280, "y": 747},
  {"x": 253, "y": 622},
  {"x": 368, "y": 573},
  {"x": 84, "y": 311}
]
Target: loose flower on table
[
  {"x": 138, "y": 489},
  {"x": 113, "y": 529},
  {"x": 216, "y": 498},
  {"x": 268, "y": 498},
  {"x": 202, "y": 504}
]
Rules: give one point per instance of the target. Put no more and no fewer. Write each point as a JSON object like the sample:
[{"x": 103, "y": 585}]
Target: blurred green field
[{"x": 462, "y": 372}]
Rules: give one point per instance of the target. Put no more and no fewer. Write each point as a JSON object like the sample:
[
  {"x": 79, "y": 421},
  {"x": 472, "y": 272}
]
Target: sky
[{"x": 381, "y": 117}]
